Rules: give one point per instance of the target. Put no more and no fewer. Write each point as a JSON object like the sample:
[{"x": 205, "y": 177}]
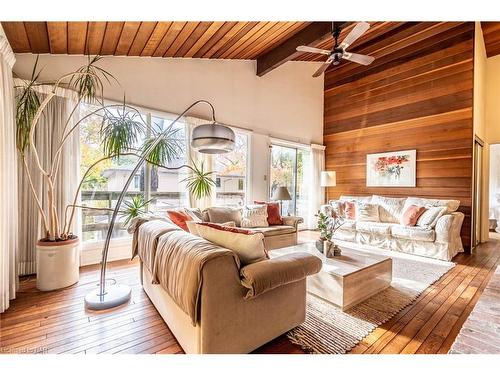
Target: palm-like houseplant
[{"x": 122, "y": 127}]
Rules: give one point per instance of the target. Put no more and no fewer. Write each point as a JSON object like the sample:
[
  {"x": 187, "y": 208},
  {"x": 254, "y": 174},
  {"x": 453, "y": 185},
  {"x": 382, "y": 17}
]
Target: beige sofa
[
  {"x": 275, "y": 236},
  {"x": 441, "y": 241},
  {"x": 240, "y": 308}
]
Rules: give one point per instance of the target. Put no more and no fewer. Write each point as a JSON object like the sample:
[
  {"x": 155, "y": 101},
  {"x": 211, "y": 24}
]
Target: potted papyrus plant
[{"x": 121, "y": 128}]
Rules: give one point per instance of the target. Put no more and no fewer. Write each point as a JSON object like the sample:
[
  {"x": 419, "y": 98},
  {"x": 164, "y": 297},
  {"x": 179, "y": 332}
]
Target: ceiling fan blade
[
  {"x": 357, "y": 58},
  {"x": 356, "y": 32},
  {"x": 313, "y": 50},
  {"x": 323, "y": 67}
]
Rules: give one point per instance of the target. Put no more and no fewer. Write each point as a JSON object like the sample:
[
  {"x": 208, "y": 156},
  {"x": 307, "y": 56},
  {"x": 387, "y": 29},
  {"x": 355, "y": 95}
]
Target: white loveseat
[{"x": 440, "y": 241}]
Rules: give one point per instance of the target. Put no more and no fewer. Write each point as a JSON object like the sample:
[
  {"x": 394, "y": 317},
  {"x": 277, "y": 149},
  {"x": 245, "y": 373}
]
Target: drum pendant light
[{"x": 213, "y": 139}]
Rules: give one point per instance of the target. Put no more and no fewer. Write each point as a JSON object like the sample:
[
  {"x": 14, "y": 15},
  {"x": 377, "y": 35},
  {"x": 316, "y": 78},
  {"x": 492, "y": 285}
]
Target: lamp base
[{"x": 115, "y": 295}]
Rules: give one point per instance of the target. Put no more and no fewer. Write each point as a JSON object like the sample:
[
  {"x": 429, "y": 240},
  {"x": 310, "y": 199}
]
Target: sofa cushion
[
  {"x": 430, "y": 216},
  {"x": 367, "y": 212},
  {"x": 450, "y": 204},
  {"x": 356, "y": 198},
  {"x": 413, "y": 233},
  {"x": 223, "y": 215},
  {"x": 390, "y": 209},
  {"x": 374, "y": 228},
  {"x": 247, "y": 244},
  {"x": 254, "y": 216},
  {"x": 275, "y": 230},
  {"x": 349, "y": 225}
]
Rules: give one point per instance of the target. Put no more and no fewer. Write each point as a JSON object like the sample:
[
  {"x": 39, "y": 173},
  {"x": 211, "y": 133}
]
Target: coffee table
[{"x": 348, "y": 279}]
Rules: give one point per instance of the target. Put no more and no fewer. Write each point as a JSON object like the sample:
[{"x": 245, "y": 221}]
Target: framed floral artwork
[{"x": 397, "y": 168}]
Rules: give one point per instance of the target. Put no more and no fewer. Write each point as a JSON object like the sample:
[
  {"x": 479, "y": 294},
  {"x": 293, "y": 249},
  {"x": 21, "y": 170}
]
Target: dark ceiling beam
[{"x": 311, "y": 35}]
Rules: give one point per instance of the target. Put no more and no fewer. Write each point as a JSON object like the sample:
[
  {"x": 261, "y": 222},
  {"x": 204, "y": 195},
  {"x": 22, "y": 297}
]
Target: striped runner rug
[{"x": 329, "y": 330}]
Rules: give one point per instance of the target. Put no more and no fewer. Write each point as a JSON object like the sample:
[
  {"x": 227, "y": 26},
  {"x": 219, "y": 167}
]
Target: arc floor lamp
[{"x": 210, "y": 138}]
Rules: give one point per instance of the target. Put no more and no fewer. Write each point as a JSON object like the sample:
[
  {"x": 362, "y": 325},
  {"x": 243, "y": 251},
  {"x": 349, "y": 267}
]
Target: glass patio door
[{"x": 289, "y": 168}]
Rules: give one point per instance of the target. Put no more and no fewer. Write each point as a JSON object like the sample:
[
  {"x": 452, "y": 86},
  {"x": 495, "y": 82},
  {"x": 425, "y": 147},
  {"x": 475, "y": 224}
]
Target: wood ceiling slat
[
  {"x": 38, "y": 36},
  {"x": 155, "y": 39},
  {"x": 206, "y": 39},
  {"x": 181, "y": 38},
  {"x": 243, "y": 29},
  {"x": 58, "y": 37},
  {"x": 491, "y": 35},
  {"x": 95, "y": 37},
  {"x": 197, "y": 33},
  {"x": 286, "y": 33},
  {"x": 242, "y": 39},
  {"x": 143, "y": 34},
  {"x": 17, "y": 36},
  {"x": 169, "y": 37},
  {"x": 111, "y": 37},
  {"x": 127, "y": 37},
  {"x": 203, "y": 39},
  {"x": 219, "y": 38},
  {"x": 77, "y": 36},
  {"x": 275, "y": 32}
]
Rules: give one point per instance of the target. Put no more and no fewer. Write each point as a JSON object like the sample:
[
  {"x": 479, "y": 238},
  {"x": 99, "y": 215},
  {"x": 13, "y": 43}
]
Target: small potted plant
[{"x": 328, "y": 224}]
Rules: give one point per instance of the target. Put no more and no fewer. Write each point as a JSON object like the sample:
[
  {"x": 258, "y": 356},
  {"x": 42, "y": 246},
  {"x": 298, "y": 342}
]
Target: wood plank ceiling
[
  {"x": 222, "y": 40},
  {"x": 491, "y": 35}
]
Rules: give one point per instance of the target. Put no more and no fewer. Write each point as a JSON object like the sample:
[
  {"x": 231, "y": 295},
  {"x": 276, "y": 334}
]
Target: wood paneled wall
[{"x": 418, "y": 94}]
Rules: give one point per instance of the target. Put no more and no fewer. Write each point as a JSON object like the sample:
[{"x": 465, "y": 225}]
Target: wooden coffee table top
[{"x": 351, "y": 260}]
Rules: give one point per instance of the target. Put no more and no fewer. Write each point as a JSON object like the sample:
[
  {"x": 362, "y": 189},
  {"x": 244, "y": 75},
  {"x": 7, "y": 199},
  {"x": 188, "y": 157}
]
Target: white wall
[{"x": 286, "y": 103}]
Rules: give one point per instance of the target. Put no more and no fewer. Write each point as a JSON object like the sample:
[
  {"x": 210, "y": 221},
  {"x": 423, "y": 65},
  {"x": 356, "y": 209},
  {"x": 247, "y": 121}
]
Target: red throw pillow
[
  {"x": 411, "y": 215},
  {"x": 350, "y": 210},
  {"x": 179, "y": 218},
  {"x": 273, "y": 212}
]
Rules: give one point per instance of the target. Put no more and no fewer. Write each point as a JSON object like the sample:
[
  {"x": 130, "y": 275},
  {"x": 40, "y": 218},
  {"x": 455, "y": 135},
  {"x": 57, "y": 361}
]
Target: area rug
[{"x": 329, "y": 330}]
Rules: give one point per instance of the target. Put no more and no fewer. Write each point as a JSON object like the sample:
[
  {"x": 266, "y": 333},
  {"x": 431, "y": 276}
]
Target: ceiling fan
[{"x": 339, "y": 52}]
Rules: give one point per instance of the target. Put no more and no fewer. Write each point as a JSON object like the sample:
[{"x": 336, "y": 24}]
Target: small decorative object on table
[{"x": 328, "y": 225}]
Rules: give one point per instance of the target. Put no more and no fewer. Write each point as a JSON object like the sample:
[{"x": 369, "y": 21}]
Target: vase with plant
[
  {"x": 328, "y": 224},
  {"x": 122, "y": 126}
]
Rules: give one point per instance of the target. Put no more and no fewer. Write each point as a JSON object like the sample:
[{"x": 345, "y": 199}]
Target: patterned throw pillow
[
  {"x": 430, "y": 217},
  {"x": 338, "y": 207},
  {"x": 273, "y": 212},
  {"x": 350, "y": 210},
  {"x": 254, "y": 216},
  {"x": 247, "y": 244},
  {"x": 367, "y": 212}
]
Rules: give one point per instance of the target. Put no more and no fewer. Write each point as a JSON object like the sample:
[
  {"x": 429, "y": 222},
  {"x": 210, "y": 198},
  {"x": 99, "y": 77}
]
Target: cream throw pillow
[
  {"x": 254, "y": 216},
  {"x": 430, "y": 216},
  {"x": 367, "y": 212},
  {"x": 248, "y": 245}
]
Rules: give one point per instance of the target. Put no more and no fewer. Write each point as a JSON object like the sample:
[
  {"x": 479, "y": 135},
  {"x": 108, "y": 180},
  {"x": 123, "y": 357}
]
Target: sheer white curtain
[
  {"x": 198, "y": 158},
  {"x": 8, "y": 178},
  {"x": 317, "y": 196},
  {"x": 47, "y": 136}
]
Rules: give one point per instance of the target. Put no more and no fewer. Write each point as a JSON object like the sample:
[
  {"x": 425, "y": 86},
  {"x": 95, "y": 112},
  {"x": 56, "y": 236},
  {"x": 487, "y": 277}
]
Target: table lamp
[{"x": 281, "y": 194}]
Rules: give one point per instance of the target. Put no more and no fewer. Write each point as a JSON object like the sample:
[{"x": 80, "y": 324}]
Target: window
[
  {"x": 137, "y": 182},
  {"x": 105, "y": 181},
  {"x": 164, "y": 188},
  {"x": 289, "y": 169},
  {"x": 231, "y": 173}
]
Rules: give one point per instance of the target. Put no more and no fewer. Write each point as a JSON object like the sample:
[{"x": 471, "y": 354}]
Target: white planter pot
[{"x": 57, "y": 264}]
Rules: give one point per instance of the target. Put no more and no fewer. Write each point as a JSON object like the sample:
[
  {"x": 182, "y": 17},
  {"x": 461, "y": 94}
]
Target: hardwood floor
[{"x": 56, "y": 322}]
